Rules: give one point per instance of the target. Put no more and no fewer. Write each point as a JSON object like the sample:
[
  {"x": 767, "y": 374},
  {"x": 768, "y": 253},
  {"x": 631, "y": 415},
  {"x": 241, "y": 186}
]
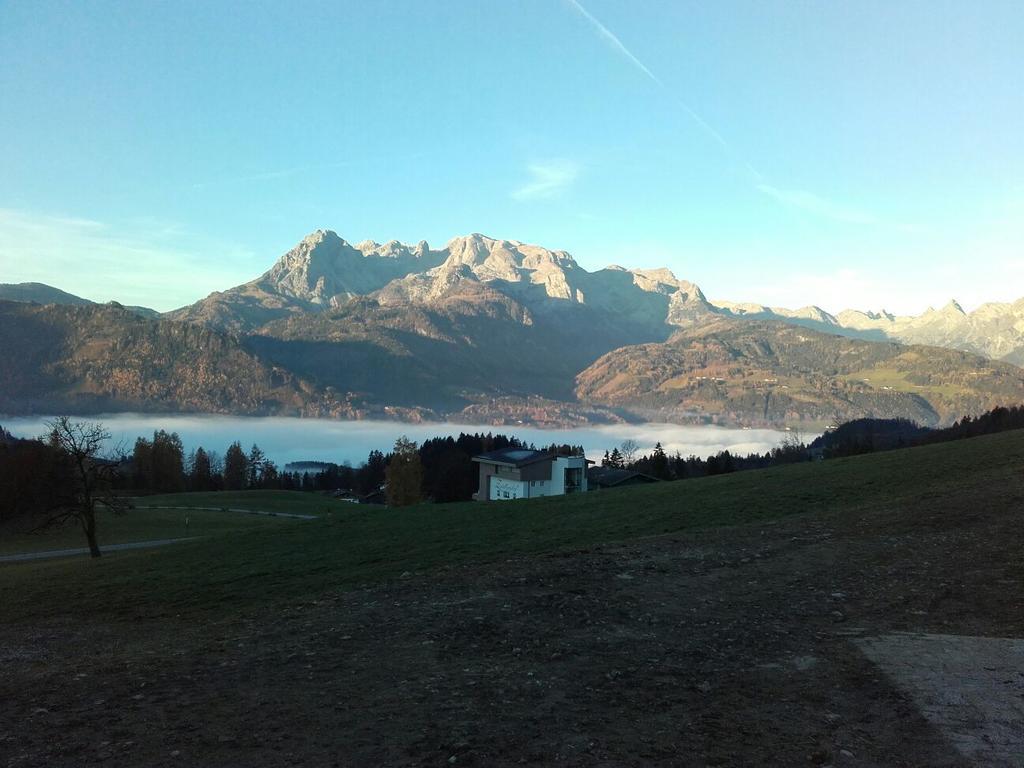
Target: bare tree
[
  {"x": 629, "y": 449},
  {"x": 793, "y": 439},
  {"x": 88, "y": 477}
]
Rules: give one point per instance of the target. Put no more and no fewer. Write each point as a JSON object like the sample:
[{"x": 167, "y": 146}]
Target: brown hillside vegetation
[
  {"x": 474, "y": 353},
  {"x": 770, "y": 372},
  {"x": 101, "y": 358}
]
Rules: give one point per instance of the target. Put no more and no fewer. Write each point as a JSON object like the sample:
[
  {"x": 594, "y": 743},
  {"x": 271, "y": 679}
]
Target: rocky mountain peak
[
  {"x": 320, "y": 236},
  {"x": 882, "y": 314},
  {"x": 816, "y": 313},
  {"x": 323, "y": 269},
  {"x": 516, "y": 263},
  {"x": 662, "y": 274},
  {"x": 311, "y": 270},
  {"x": 472, "y": 250},
  {"x": 949, "y": 311},
  {"x": 664, "y": 281}
]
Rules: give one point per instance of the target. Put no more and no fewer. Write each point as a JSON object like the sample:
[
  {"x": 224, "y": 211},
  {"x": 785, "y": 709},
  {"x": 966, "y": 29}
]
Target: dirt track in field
[{"x": 727, "y": 647}]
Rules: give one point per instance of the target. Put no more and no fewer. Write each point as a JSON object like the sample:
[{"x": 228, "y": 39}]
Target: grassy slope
[{"x": 258, "y": 567}]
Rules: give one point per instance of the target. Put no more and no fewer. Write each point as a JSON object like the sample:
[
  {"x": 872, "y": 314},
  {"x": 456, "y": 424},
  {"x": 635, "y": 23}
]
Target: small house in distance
[
  {"x": 521, "y": 473},
  {"x": 613, "y": 477}
]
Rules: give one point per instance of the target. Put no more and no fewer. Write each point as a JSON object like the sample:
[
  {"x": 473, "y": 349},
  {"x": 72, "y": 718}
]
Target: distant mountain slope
[
  {"x": 773, "y": 372},
  {"x": 469, "y": 345},
  {"x": 40, "y": 293},
  {"x": 98, "y": 357}
]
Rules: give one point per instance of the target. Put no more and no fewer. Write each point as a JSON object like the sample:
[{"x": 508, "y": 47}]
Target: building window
[{"x": 573, "y": 480}]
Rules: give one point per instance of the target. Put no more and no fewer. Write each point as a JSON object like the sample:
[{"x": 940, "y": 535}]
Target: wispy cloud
[
  {"x": 619, "y": 47},
  {"x": 820, "y": 206},
  {"x": 547, "y": 180},
  {"x": 146, "y": 262}
]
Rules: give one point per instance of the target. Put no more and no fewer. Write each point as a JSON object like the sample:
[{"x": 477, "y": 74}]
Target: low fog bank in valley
[{"x": 285, "y": 439}]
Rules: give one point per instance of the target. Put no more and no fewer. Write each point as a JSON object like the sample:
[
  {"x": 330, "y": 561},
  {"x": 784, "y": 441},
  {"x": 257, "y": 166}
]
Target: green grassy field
[
  {"x": 898, "y": 381},
  {"x": 258, "y": 564}
]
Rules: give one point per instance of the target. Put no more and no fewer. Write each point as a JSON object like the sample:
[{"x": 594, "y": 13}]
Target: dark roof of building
[
  {"x": 609, "y": 477},
  {"x": 376, "y": 497},
  {"x": 513, "y": 457}
]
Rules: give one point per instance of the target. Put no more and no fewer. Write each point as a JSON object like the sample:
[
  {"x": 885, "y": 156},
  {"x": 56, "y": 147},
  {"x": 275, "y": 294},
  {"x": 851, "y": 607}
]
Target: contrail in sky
[{"x": 610, "y": 37}]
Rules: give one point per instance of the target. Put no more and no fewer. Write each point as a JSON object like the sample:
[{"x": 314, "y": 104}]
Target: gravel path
[
  {"x": 85, "y": 550},
  {"x": 232, "y": 509}
]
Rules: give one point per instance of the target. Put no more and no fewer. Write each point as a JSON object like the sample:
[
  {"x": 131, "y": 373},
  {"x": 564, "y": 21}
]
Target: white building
[{"x": 520, "y": 473}]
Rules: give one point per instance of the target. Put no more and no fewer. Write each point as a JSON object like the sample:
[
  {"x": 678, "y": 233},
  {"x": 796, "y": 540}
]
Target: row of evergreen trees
[
  {"x": 663, "y": 466},
  {"x": 160, "y": 466},
  {"x": 441, "y": 469},
  {"x": 851, "y": 438}
]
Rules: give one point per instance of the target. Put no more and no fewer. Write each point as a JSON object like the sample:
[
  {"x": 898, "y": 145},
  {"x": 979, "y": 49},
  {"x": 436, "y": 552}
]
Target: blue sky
[{"x": 862, "y": 154}]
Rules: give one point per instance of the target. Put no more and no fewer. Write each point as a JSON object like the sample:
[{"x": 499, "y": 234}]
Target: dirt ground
[{"x": 727, "y": 647}]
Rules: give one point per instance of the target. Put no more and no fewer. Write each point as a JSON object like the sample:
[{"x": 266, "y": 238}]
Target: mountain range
[
  {"x": 499, "y": 331},
  {"x": 995, "y": 330}
]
